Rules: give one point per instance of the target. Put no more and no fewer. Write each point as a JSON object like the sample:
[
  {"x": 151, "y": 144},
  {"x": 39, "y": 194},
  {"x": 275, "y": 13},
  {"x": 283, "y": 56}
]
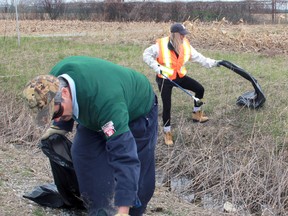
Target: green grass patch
[
  {"x": 39, "y": 212},
  {"x": 37, "y": 55}
]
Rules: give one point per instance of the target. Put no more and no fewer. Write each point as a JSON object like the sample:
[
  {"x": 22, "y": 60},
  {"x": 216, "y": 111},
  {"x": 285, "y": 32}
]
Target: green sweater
[{"x": 106, "y": 92}]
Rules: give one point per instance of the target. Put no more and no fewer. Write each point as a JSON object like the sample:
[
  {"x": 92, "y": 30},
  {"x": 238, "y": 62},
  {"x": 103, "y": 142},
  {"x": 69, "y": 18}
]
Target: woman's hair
[{"x": 176, "y": 41}]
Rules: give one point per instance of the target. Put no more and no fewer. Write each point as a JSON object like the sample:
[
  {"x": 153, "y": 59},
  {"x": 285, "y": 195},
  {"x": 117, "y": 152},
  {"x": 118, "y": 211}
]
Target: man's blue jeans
[{"x": 95, "y": 175}]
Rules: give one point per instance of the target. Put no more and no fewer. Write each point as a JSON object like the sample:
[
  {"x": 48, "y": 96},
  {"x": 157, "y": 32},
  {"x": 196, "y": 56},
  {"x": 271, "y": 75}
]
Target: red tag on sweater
[{"x": 108, "y": 129}]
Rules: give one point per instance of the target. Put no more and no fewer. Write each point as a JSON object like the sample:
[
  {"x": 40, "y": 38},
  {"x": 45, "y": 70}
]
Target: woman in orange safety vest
[{"x": 167, "y": 58}]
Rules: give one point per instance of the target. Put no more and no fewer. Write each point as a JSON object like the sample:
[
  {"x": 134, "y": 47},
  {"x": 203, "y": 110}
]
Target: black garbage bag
[
  {"x": 251, "y": 99},
  {"x": 57, "y": 148},
  {"x": 46, "y": 195}
]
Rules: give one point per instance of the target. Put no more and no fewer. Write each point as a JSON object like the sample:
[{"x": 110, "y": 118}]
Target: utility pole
[
  {"x": 273, "y": 10},
  {"x": 17, "y": 22}
]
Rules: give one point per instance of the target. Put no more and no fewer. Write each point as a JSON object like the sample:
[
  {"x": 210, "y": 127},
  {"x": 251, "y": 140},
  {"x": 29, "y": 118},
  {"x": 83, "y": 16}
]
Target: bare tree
[
  {"x": 278, "y": 6},
  {"x": 54, "y": 8},
  {"x": 4, "y": 4},
  {"x": 113, "y": 1}
]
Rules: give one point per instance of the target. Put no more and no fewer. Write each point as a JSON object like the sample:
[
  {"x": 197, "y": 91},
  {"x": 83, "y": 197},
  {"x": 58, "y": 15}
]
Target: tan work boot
[
  {"x": 168, "y": 138},
  {"x": 199, "y": 117}
]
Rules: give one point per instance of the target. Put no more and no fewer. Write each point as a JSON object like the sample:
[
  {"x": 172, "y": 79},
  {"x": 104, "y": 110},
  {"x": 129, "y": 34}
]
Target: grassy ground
[{"x": 239, "y": 156}]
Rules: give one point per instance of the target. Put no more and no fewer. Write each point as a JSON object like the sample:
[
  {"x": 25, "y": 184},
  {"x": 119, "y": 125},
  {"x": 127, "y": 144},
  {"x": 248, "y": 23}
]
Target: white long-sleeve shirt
[{"x": 151, "y": 53}]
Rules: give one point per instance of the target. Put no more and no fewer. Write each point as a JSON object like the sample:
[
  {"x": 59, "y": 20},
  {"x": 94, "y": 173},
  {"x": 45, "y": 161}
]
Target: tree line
[{"x": 118, "y": 10}]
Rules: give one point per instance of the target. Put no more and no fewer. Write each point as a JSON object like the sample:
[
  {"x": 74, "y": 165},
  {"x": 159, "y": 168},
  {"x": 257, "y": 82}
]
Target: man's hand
[
  {"x": 53, "y": 130},
  {"x": 123, "y": 211}
]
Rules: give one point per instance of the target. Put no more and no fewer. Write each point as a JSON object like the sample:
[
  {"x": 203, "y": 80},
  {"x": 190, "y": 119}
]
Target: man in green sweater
[{"x": 113, "y": 150}]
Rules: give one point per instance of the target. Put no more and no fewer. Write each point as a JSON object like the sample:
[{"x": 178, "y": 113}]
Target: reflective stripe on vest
[{"x": 169, "y": 59}]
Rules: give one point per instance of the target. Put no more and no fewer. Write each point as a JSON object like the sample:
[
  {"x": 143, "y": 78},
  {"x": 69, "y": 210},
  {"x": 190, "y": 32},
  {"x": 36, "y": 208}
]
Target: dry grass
[
  {"x": 223, "y": 161},
  {"x": 221, "y": 35},
  {"x": 267, "y": 39}
]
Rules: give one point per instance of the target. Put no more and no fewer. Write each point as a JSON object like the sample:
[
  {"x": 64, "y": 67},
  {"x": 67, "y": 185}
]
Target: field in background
[
  {"x": 220, "y": 35},
  {"x": 239, "y": 156}
]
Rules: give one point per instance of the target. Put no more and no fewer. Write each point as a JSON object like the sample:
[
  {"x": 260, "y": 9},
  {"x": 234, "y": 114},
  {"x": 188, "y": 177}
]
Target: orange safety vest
[{"x": 169, "y": 63}]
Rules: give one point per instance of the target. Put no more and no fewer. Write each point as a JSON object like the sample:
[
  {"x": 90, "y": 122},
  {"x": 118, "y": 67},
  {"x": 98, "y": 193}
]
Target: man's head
[
  {"x": 43, "y": 95},
  {"x": 178, "y": 28}
]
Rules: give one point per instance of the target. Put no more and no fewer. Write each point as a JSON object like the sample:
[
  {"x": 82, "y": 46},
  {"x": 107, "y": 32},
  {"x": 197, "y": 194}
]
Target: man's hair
[
  {"x": 176, "y": 41},
  {"x": 62, "y": 83}
]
